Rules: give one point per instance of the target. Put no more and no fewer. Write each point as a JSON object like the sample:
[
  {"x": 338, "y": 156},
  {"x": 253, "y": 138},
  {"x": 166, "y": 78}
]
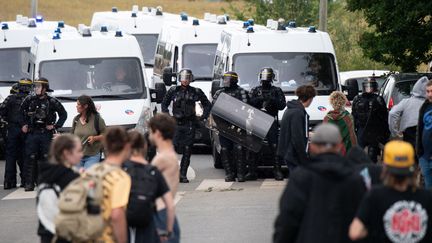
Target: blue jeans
[
  {"x": 426, "y": 169},
  {"x": 160, "y": 219},
  {"x": 88, "y": 161}
]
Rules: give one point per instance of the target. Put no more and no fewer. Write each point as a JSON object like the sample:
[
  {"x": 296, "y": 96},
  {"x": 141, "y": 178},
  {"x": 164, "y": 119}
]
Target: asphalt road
[{"x": 209, "y": 210}]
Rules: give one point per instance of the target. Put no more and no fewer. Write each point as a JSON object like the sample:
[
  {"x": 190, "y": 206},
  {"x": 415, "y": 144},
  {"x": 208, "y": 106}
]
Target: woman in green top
[
  {"x": 342, "y": 119},
  {"x": 89, "y": 126}
]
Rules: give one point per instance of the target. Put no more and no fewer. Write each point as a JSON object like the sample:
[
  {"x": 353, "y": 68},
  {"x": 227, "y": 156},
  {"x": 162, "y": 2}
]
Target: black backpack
[{"x": 141, "y": 206}]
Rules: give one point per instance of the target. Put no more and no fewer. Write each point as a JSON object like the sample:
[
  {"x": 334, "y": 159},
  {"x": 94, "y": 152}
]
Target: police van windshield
[
  {"x": 199, "y": 58},
  {"x": 114, "y": 77},
  {"x": 292, "y": 70},
  {"x": 13, "y": 64},
  {"x": 148, "y": 47}
]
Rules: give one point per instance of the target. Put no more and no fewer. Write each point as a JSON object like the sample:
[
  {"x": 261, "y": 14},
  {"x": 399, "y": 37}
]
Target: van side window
[{"x": 159, "y": 58}]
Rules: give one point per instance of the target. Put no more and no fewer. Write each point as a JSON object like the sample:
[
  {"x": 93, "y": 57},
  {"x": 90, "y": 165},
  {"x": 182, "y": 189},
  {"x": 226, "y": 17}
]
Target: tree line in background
[{"x": 367, "y": 34}]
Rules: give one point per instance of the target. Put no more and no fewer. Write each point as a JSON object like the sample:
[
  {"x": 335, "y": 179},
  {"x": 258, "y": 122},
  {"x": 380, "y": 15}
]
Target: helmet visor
[
  {"x": 267, "y": 76},
  {"x": 185, "y": 76}
]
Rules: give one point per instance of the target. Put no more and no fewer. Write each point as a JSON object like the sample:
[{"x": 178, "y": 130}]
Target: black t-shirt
[{"x": 393, "y": 216}]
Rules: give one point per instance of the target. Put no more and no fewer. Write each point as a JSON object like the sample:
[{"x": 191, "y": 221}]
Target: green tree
[
  {"x": 304, "y": 12},
  {"x": 401, "y": 32}
]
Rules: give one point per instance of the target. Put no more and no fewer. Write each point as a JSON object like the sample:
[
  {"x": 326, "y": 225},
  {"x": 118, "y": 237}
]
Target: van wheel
[{"x": 216, "y": 158}]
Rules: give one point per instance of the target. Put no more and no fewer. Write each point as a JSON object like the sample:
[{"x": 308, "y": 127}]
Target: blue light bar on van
[
  {"x": 134, "y": 15},
  {"x": 312, "y": 29},
  {"x": 184, "y": 17},
  {"x": 4, "y": 26},
  {"x": 60, "y": 24},
  {"x": 292, "y": 24},
  {"x": 195, "y": 22},
  {"x": 250, "y": 29},
  {"x": 251, "y": 22},
  {"x": 39, "y": 19},
  {"x": 56, "y": 36},
  {"x": 58, "y": 30},
  {"x": 114, "y": 9},
  {"x": 104, "y": 28},
  {"x": 118, "y": 33},
  {"x": 246, "y": 24}
]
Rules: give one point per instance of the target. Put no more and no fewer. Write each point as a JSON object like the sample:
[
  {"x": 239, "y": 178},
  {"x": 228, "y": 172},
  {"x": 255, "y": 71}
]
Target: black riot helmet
[
  {"x": 25, "y": 85},
  {"x": 267, "y": 75},
  {"x": 185, "y": 75},
  {"x": 370, "y": 85},
  {"x": 230, "y": 79}
]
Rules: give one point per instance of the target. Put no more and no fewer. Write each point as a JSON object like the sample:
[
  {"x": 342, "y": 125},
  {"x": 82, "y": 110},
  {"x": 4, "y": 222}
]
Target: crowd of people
[{"x": 355, "y": 177}]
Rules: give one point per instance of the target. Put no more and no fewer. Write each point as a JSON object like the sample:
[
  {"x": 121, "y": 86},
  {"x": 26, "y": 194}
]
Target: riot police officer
[
  {"x": 370, "y": 118},
  {"x": 231, "y": 151},
  {"x": 15, "y": 138},
  {"x": 271, "y": 100},
  {"x": 184, "y": 98},
  {"x": 39, "y": 123}
]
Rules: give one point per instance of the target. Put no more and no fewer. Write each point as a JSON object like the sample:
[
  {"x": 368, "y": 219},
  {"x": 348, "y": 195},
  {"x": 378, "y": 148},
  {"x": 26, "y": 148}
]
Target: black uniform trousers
[
  {"x": 15, "y": 144},
  {"x": 37, "y": 146}
]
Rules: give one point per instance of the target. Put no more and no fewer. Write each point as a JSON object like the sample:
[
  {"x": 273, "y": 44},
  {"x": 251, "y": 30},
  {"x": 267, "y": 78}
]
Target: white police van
[
  {"x": 190, "y": 44},
  {"x": 298, "y": 56},
  {"x": 145, "y": 25},
  {"x": 15, "y": 42},
  {"x": 85, "y": 62}
]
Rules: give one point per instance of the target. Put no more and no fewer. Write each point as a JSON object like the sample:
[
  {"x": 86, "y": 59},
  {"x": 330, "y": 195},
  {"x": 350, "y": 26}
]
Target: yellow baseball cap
[{"x": 399, "y": 157}]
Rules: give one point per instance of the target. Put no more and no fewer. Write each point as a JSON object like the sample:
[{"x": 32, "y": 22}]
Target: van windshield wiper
[
  {"x": 148, "y": 65},
  {"x": 8, "y": 81},
  {"x": 110, "y": 96},
  {"x": 203, "y": 79},
  {"x": 65, "y": 98}
]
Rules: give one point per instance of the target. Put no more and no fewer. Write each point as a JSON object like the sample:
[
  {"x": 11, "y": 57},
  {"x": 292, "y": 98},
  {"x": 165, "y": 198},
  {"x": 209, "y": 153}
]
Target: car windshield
[
  {"x": 115, "y": 77},
  {"x": 402, "y": 90},
  {"x": 148, "y": 47},
  {"x": 13, "y": 64},
  {"x": 292, "y": 70},
  {"x": 199, "y": 58}
]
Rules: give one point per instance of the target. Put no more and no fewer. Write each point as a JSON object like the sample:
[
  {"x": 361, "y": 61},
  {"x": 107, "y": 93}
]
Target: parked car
[
  {"x": 398, "y": 86},
  {"x": 363, "y": 75}
]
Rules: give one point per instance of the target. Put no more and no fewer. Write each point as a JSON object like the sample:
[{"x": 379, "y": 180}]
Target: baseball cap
[
  {"x": 399, "y": 158},
  {"x": 326, "y": 133}
]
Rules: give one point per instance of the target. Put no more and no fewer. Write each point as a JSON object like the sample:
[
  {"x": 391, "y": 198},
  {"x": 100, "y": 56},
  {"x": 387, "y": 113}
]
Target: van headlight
[{"x": 145, "y": 116}]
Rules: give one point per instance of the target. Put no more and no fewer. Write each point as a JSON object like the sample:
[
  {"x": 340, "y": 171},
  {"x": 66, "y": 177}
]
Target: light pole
[
  {"x": 323, "y": 15},
  {"x": 34, "y": 5}
]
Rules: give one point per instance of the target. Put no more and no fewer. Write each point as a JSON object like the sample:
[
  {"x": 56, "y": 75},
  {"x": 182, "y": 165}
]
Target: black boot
[
  {"x": 184, "y": 164},
  {"x": 241, "y": 166},
  {"x": 28, "y": 187},
  {"x": 225, "y": 159},
  {"x": 277, "y": 171},
  {"x": 252, "y": 166},
  {"x": 29, "y": 170},
  {"x": 9, "y": 185}
]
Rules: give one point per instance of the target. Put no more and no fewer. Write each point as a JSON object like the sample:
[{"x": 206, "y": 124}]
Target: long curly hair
[{"x": 338, "y": 100}]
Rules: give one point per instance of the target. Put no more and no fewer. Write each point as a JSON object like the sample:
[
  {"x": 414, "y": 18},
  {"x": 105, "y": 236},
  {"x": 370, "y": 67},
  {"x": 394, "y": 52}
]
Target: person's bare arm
[
  {"x": 118, "y": 223},
  {"x": 357, "y": 230},
  {"x": 160, "y": 162}
]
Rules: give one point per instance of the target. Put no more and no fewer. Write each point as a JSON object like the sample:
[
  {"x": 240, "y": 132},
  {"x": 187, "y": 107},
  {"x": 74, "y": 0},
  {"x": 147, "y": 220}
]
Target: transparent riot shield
[{"x": 240, "y": 122}]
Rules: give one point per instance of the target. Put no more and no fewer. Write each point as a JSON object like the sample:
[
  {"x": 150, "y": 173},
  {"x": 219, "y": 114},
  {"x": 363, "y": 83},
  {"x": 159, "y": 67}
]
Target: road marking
[
  {"x": 214, "y": 184},
  {"x": 178, "y": 197},
  {"x": 271, "y": 184},
  {"x": 20, "y": 194}
]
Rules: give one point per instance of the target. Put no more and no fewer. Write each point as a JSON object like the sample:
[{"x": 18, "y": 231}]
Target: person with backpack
[
  {"x": 92, "y": 207},
  {"x": 148, "y": 184},
  {"x": 89, "y": 126},
  {"x": 65, "y": 152}
]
